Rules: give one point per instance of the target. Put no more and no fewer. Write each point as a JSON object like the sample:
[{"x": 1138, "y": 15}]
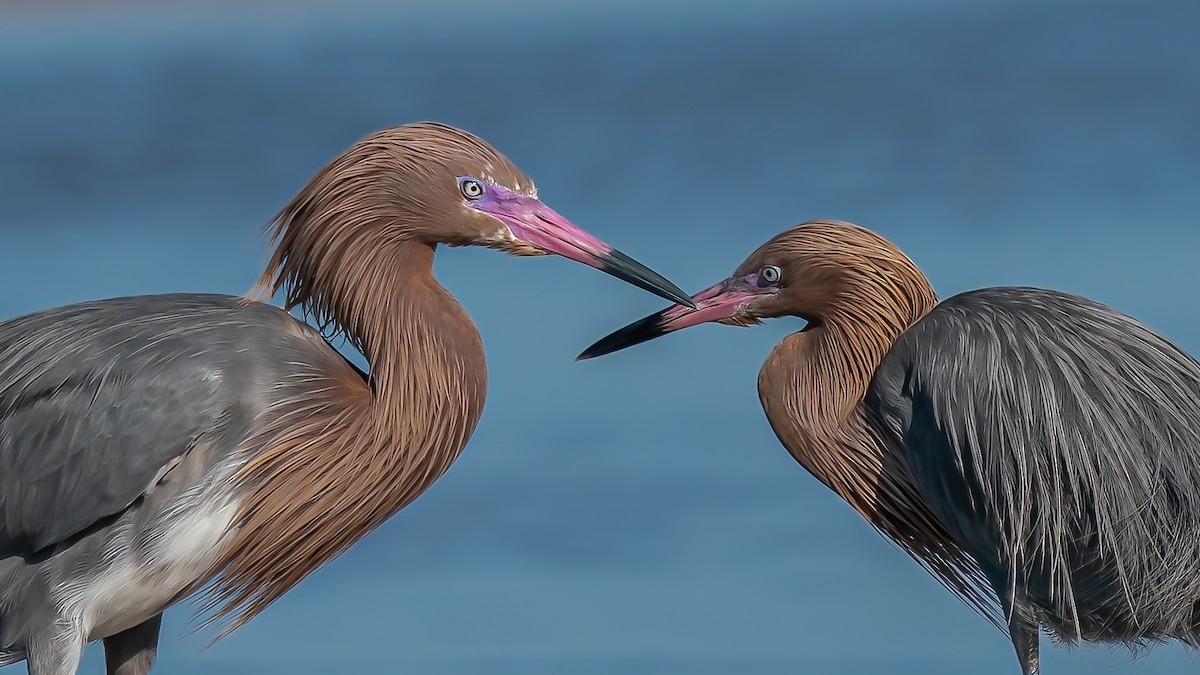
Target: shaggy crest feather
[{"x": 347, "y": 451}]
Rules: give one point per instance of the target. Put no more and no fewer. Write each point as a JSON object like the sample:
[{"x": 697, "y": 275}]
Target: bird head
[
  {"x": 820, "y": 271},
  {"x": 435, "y": 184},
  {"x": 529, "y": 227}
]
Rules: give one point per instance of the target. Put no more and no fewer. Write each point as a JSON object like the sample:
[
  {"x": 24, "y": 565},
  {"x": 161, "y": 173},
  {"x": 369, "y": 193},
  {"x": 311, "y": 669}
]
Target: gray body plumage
[
  {"x": 1059, "y": 441},
  {"x": 121, "y": 422}
]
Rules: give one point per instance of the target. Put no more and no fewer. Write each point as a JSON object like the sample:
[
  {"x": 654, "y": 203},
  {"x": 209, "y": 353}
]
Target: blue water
[{"x": 633, "y": 514}]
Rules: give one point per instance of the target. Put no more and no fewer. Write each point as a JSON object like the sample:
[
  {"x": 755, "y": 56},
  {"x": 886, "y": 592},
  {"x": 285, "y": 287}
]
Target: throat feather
[
  {"x": 812, "y": 388},
  {"x": 335, "y": 456}
]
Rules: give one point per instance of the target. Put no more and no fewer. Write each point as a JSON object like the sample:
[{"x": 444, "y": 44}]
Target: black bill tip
[
  {"x": 635, "y": 333},
  {"x": 631, "y": 271}
]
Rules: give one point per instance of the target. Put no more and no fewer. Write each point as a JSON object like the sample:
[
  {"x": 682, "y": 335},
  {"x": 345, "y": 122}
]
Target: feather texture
[
  {"x": 1057, "y": 439},
  {"x": 1034, "y": 450},
  {"x": 337, "y": 456}
]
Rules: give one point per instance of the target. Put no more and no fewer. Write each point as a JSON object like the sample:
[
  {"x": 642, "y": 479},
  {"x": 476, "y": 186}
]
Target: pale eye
[
  {"x": 471, "y": 188},
  {"x": 770, "y": 274}
]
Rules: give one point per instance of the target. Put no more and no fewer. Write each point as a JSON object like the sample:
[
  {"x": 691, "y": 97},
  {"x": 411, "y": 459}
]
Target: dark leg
[
  {"x": 132, "y": 652},
  {"x": 1023, "y": 627},
  {"x": 1025, "y": 640}
]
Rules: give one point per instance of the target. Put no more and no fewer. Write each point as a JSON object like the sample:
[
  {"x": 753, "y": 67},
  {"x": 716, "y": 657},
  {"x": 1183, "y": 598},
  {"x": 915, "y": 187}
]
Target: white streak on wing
[
  {"x": 134, "y": 590},
  {"x": 136, "y": 582}
]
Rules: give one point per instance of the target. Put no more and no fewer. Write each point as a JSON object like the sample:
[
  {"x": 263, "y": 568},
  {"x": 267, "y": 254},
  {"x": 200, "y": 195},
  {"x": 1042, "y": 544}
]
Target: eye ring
[
  {"x": 771, "y": 274},
  {"x": 471, "y": 188}
]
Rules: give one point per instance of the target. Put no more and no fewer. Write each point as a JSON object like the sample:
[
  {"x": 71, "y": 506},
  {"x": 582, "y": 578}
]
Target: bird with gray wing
[
  {"x": 1036, "y": 451},
  {"x": 152, "y": 445}
]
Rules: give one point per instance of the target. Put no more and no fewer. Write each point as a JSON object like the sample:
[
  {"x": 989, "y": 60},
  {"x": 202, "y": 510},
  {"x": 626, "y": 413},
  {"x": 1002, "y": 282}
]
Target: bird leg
[
  {"x": 1024, "y": 632},
  {"x": 1024, "y": 629},
  {"x": 132, "y": 652}
]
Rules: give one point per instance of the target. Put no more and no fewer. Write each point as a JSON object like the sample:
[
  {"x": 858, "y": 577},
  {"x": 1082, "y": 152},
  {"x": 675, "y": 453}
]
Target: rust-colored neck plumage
[
  {"x": 335, "y": 455},
  {"x": 860, "y": 293},
  {"x": 813, "y": 386}
]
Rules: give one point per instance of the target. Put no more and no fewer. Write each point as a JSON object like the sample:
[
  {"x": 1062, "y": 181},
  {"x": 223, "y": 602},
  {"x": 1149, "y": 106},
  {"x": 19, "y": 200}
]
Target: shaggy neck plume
[
  {"x": 813, "y": 384},
  {"x": 812, "y": 388},
  {"x": 326, "y": 469}
]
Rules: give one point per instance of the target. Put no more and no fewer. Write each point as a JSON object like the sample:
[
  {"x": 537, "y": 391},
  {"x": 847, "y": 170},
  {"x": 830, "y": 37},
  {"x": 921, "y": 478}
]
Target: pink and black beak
[
  {"x": 542, "y": 228},
  {"x": 727, "y": 302}
]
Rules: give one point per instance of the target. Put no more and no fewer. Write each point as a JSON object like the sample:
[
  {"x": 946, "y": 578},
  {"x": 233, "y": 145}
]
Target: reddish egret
[
  {"x": 149, "y": 445},
  {"x": 1035, "y": 451}
]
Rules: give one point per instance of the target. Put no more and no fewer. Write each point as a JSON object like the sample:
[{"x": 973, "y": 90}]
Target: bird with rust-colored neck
[
  {"x": 1035, "y": 451},
  {"x": 151, "y": 445}
]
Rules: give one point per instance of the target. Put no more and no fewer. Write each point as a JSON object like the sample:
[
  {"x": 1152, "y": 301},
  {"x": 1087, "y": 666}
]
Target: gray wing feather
[
  {"x": 96, "y": 400},
  {"x": 1058, "y": 439}
]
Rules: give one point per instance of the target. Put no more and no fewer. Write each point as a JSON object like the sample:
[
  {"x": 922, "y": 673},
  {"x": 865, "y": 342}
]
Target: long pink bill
[
  {"x": 542, "y": 227},
  {"x": 721, "y": 301}
]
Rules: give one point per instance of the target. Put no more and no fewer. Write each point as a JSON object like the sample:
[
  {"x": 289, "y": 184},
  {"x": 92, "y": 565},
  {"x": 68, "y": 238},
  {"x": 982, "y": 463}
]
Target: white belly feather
[{"x": 142, "y": 580}]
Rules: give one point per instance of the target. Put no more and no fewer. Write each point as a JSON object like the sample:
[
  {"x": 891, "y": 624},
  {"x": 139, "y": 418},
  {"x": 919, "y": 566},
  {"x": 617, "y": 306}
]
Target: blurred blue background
[{"x": 633, "y": 514}]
